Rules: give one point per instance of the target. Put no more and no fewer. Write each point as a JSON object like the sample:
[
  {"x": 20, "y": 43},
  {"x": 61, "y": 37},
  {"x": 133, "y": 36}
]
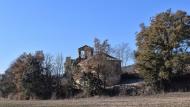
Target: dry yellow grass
[{"x": 162, "y": 100}]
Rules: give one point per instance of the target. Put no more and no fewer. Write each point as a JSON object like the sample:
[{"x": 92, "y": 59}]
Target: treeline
[
  {"x": 162, "y": 56},
  {"x": 41, "y": 76},
  {"x": 36, "y": 76}
]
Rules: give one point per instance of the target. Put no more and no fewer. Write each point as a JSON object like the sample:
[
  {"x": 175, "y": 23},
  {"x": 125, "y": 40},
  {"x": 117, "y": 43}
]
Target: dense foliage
[
  {"x": 163, "y": 47},
  {"x": 35, "y": 76}
]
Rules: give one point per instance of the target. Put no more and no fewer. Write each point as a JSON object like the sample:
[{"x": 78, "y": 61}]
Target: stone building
[{"x": 88, "y": 61}]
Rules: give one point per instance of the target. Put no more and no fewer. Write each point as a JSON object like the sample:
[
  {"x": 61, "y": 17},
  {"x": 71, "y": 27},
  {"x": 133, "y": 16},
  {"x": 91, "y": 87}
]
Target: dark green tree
[
  {"x": 37, "y": 80},
  {"x": 30, "y": 76},
  {"x": 92, "y": 85}
]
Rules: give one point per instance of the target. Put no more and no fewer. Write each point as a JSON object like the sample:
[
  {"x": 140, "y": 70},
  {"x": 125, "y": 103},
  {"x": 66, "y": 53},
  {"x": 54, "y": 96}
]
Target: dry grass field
[{"x": 162, "y": 100}]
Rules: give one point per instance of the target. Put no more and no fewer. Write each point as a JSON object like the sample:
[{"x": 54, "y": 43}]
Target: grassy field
[{"x": 162, "y": 100}]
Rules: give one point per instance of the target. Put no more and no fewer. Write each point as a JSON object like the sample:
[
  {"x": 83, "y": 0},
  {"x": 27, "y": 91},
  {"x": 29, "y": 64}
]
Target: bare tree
[
  {"x": 48, "y": 64},
  {"x": 59, "y": 66},
  {"x": 102, "y": 49},
  {"x": 122, "y": 52}
]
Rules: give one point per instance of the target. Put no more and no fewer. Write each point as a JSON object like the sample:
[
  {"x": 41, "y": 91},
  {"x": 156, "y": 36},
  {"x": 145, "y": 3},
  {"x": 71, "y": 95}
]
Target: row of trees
[
  {"x": 41, "y": 76},
  {"x": 34, "y": 76}
]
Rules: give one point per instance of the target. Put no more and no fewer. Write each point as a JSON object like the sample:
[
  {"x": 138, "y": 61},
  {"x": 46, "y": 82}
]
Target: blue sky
[{"x": 61, "y": 26}]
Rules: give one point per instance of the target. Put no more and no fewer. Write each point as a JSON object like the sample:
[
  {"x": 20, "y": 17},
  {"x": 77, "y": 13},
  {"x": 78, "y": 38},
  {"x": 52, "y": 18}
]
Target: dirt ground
[{"x": 161, "y": 100}]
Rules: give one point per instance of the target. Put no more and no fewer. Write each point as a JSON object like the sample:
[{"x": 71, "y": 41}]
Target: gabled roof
[{"x": 109, "y": 57}]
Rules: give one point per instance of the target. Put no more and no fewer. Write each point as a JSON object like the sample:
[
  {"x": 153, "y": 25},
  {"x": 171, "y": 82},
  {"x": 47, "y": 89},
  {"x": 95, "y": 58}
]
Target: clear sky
[{"x": 61, "y": 26}]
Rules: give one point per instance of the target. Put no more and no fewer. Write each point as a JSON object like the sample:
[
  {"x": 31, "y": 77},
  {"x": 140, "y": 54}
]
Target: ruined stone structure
[{"x": 88, "y": 61}]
